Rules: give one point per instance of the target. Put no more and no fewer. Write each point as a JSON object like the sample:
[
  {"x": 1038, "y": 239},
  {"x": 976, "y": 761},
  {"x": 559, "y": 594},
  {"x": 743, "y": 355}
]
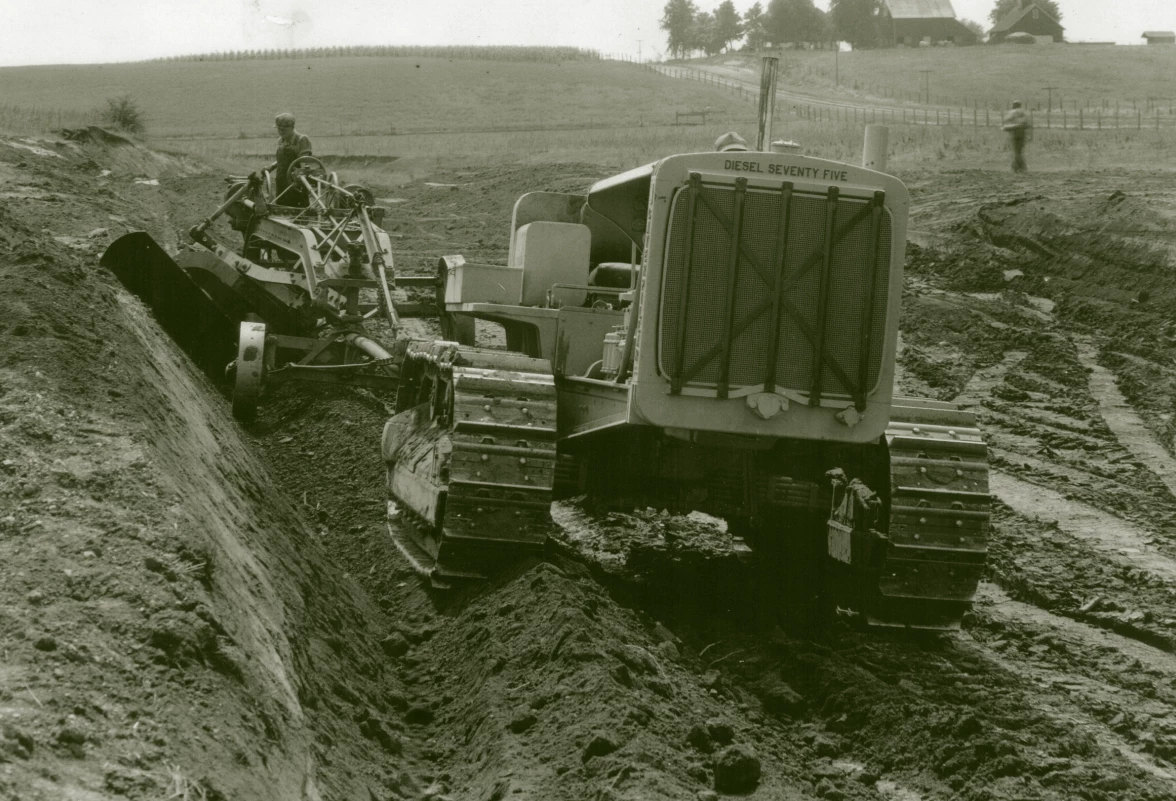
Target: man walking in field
[
  {"x": 291, "y": 145},
  {"x": 1016, "y": 122}
]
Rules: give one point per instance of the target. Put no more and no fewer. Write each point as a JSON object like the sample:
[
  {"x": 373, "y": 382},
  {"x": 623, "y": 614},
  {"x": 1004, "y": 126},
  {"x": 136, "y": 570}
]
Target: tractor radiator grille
[{"x": 730, "y": 329}]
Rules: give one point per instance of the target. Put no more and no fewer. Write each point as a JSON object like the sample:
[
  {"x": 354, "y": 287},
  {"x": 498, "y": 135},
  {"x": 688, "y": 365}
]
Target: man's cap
[
  {"x": 1016, "y": 104},
  {"x": 730, "y": 141},
  {"x": 284, "y": 119}
]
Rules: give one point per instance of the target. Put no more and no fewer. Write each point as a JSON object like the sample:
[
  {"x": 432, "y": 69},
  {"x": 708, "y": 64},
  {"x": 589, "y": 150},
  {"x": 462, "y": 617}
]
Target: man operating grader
[{"x": 291, "y": 145}]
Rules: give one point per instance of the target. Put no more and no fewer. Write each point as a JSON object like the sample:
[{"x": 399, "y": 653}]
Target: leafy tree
[
  {"x": 753, "y": 26},
  {"x": 704, "y": 35},
  {"x": 795, "y": 21},
  {"x": 678, "y": 21},
  {"x": 976, "y": 28},
  {"x": 1003, "y": 7},
  {"x": 856, "y": 21},
  {"x": 728, "y": 26},
  {"x": 123, "y": 112}
]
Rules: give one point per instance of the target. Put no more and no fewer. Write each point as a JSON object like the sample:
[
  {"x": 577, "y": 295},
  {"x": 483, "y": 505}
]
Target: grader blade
[
  {"x": 472, "y": 462},
  {"x": 201, "y": 326}
]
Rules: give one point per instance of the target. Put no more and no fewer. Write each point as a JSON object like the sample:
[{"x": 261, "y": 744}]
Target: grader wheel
[{"x": 250, "y": 371}]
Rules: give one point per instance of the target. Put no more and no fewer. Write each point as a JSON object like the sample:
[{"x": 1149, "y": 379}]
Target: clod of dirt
[
  {"x": 181, "y": 635},
  {"x": 778, "y": 697},
  {"x": 700, "y": 739},
  {"x": 395, "y": 644},
  {"x": 419, "y": 715},
  {"x": 70, "y": 736},
  {"x": 523, "y": 720},
  {"x": 600, "y": 745},
  {"x": 16, "y": 742},
  {"x": 829, "y": 791},
  {"x": 721, "y": 731},
  {"x": 373, "y": 729},
  {"x": 737, "y": 769}
]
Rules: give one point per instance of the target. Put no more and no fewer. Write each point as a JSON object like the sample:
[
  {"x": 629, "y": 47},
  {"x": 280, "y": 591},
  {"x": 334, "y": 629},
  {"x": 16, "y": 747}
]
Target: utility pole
[
  {"x": 638, "y": 51},
  {"x": 836, "y": 64},
  {"x": 927, "y": 84}
]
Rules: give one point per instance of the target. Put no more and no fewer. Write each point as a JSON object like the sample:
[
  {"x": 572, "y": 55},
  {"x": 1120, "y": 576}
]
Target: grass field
[
  {"x": 613, "y": 114},
  {"x": 362, "y": 95}
]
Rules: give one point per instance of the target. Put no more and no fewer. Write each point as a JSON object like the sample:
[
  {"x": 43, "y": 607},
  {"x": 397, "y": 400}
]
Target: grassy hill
[
  {"x": 355, "y": 95},
  {"x": 608, "y": 113}
]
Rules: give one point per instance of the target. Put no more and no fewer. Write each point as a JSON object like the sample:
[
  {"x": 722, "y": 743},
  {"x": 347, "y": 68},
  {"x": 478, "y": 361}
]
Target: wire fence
[{"x": 1107, "y": 116}]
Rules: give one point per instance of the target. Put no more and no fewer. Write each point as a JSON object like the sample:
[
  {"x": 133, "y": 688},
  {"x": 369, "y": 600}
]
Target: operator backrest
[
  {"x": 542, "y": 207},
  {"x": 551, "y": 254}
]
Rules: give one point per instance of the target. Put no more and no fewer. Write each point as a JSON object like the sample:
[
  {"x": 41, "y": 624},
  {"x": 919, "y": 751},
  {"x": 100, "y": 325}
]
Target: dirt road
[{"x": 199, "y": 610}]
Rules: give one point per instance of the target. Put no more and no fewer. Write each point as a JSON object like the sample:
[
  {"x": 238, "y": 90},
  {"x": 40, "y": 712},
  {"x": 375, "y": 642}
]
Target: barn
[
  {"x": 1030, "y": 18},
  {"x": 915, "y": 22},
  {"x": 1160, "y": 37}
]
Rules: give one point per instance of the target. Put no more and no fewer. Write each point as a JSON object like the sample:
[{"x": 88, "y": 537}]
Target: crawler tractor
[{"x": 712, "y": 332}]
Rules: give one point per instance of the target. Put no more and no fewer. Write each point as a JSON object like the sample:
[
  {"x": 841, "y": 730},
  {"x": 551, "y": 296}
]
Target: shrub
[{"x": 123, "y": 112}]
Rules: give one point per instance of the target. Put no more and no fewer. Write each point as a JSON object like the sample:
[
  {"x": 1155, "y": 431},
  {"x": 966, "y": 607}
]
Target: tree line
[
  {"x": 797, "y": 22},
  {"x": 489, "y": 53}
]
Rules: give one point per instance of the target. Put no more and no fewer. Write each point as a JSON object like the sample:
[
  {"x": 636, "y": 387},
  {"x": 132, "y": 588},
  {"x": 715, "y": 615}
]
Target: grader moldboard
[{"x": 712, "y": 332}]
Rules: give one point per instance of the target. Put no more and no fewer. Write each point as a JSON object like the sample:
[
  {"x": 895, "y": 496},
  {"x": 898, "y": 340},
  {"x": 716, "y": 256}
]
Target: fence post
[
  {"x": 1100, "y": 119},
  {"x": 1138, "y": 119},
  {"x": 987, "y": 119},
  {"x": 1079, "y": 119}
]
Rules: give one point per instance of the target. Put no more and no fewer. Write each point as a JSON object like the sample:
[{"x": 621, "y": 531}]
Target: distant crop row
[{"x": 487, "y": 53}]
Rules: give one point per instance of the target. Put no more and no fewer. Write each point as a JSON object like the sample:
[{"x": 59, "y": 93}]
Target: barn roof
[
  {"x": 1157, "y": 34},
  {"x": 1016, "y": 15},
  {"x": 920, "y": 9}
]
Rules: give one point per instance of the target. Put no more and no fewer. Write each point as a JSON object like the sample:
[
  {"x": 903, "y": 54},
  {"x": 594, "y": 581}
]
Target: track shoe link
[
  {"x": 939, "y": 510},
  {"x": 471, "y": 456}
]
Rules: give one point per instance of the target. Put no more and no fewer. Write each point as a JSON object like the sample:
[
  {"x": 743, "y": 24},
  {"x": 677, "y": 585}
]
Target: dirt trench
[
  {"x": 171, "y": 627},
  {"x": 236, "y": 623}
]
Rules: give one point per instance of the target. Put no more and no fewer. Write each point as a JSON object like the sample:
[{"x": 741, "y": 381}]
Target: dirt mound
[
  {"x": 94, "y": 135},
  {"x": 172, "y": 626}
]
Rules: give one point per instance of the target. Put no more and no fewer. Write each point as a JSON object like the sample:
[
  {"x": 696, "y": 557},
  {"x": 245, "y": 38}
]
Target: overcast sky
[{"x": 82, "y": 31}]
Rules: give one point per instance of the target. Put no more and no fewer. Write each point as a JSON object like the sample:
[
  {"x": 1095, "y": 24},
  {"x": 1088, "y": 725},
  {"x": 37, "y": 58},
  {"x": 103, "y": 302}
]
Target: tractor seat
[{"x": 611, "y": 274}]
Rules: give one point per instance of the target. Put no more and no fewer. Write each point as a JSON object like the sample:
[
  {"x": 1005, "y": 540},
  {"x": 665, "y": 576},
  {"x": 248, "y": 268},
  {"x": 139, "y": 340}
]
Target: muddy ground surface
[{"x": 192, "y": 609}]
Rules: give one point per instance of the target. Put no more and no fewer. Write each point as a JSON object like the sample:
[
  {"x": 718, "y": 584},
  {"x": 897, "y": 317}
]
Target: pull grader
[{"x": 702, "y": 333}]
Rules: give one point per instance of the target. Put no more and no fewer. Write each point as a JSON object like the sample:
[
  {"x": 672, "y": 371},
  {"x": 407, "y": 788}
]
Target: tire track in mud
[
  {"x": 1121, "y": 418},
  {"x": 1078, "y": 661},
  {"x": 1110, "y": 535}
]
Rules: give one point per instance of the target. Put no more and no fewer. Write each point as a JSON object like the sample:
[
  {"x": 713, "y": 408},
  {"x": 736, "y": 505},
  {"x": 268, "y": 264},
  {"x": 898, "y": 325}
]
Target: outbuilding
[
  {"x": 1029, "y": 18},
  {"x": 916, "y": 22},
  {"x": 1160, "y": 37}
]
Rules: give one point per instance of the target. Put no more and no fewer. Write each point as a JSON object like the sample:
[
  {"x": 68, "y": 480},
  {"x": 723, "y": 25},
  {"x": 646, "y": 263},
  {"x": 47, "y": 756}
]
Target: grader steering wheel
[{"x": 305, "y": 165}]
